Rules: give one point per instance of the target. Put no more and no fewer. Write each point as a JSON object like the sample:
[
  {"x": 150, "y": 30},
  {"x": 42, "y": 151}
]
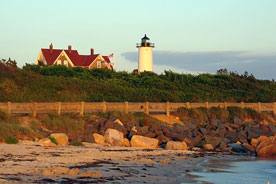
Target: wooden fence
[{"x": 146, "y": 107}]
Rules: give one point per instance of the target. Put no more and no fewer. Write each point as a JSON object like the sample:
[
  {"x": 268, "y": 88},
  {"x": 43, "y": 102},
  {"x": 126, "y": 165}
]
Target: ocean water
[{"x": 239, "y": 172}]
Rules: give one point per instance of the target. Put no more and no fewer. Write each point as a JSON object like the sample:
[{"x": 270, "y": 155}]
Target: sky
[{"x": 190, "y": 36}]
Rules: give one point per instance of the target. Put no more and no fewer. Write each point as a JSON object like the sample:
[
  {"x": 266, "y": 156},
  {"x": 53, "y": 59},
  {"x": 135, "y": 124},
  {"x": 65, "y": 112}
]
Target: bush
[
  {"x": 11, "y": 140},
  {"x": 53, "y": 140},
  {"x": 60, "y": 83}
]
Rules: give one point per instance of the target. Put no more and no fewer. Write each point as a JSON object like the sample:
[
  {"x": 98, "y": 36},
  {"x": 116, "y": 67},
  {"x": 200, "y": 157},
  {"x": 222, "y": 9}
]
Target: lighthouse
[{"x": 145, "y": 54}]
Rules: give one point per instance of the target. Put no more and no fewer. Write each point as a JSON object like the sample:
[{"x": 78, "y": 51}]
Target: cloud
[{"x": 261, "y": 66}]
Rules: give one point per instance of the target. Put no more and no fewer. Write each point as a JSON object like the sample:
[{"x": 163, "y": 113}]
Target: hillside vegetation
[{"x": 58, "y": 83}]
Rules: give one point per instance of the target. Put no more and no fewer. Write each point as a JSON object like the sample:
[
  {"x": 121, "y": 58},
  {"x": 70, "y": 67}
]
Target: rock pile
[{"x": 243, "y": 136}]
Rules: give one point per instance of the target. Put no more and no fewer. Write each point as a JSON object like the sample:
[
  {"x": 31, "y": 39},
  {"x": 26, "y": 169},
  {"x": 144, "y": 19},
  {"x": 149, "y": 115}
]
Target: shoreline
[{"x": 29, "y": 163}]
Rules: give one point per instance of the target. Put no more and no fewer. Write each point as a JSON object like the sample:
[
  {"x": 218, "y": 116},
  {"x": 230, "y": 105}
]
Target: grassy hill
[{"x": 58, "y": 83}]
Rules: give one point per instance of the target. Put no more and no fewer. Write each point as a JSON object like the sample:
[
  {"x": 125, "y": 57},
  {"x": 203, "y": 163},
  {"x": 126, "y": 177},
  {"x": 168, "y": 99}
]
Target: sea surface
[{"x": 237, "y": 172}]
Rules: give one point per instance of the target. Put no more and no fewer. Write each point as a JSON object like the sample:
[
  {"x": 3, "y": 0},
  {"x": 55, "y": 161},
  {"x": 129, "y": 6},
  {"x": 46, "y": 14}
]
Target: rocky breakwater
[{"x": 242, "y": 135}]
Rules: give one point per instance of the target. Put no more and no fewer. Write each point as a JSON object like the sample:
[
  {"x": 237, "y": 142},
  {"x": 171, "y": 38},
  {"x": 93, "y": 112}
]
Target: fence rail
[{"x": 146, "y": 107}]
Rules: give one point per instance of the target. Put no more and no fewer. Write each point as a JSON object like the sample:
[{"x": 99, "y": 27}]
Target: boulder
[
  {"x": 196, "y": 140},
  {"x": 126, "y": 142},
  {"x": 175, "y": 136},
  {"x": 232, "y": 135},
  {"x": 254, "y": 132},
  {"x": 61, "y": 138},
  {"x": 143, "y": 142},
  {"x": 215, "y": 141},
  {"x": 114, "y": 137},
  {"x": 189, "y": 142},
  {"x": 117, "y": 124},
  {"x": 237, "y": 120},
  {"x": 117, "y": 121},
  {"x": 166, "y": 130},
  {"x": 223, "y": 145},
  {"x": 221, "y": 130},
  {"x": 176, "y": 145},
  {"x": 248, "y": 146},
  {"x": 239, "y": 148},
  {"x": 46, "y": 142},
  {"x": 144, "y": 130},
  {"x": 254, "y": 142},
  {"x": 132, "y": 132},
  {"x": 263, "y": 141},
  {"x": 208, "y": 147},
  {"x": 161, "y": 138},
  {"x": 267, "y": 151},
  {"x": 98, "y": 139},
  {"x": 178, "y": 128},
  {"x": 150, "y": 134},
  {"x": 242, "y": 136},
  {"x": 203, "y": 131},
  {"x": 266, "y": 147}
]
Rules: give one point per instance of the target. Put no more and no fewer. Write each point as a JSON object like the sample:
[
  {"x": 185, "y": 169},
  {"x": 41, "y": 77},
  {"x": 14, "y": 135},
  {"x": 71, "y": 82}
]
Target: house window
[
  {"x": 99, "y": 64},
  {"x": 65, "y": 62},
  {"x": 58, "y": 62}
]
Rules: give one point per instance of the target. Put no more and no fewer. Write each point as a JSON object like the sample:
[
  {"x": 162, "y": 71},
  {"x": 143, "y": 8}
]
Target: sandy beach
[{"x": 29, "y": 163}]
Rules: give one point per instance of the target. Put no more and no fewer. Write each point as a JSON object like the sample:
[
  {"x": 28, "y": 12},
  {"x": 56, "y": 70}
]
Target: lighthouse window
[{"x": 99, "y": 64}]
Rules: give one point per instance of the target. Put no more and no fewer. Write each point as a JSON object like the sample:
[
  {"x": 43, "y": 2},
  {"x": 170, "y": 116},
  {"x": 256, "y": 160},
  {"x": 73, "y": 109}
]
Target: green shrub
[
  {"x": 11, "y": 140},
  {"x": 53, "y": 140},
  {"x": 60, "y": 83}
]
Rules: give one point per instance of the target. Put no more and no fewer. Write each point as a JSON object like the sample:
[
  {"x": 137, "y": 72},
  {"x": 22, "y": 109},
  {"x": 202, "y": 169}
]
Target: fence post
[
  {"x": 188, "y": 105},
  {"x": 58, "y": 108},
  {"x": 225, "y": 105},
  {"x": 81, "y": 108},
  {"x": 9, "y": 108},
  {"x": 147, "y": 108},
  {"x": 242, "y": 105},
  {"x": 274, "y": 108},
  {"x": 207, "y": 105},
  {"x": 34, "y": 109},
  {"x": 126, "y": 107},
  {"x": 259, "y": 107},
  {"x": 168, "y": 108},
  {"x": 104, "y": 107}
]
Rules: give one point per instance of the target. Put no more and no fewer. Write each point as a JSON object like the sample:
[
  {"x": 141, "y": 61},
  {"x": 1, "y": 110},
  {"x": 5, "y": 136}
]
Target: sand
[{"x": 28, "y": 162}]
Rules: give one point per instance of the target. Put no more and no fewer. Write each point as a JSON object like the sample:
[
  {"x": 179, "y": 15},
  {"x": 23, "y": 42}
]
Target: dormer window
[{"x": 99, "y": 64}]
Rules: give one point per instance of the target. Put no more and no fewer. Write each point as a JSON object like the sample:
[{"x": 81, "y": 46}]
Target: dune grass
[
  {"x": 65, "y": 123},
  {"x": 203, "y": 114},
  {"x": 10, "y": 129}
]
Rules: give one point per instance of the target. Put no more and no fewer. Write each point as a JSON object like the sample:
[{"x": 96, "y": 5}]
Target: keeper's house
[{"x": 71, "y": 58}]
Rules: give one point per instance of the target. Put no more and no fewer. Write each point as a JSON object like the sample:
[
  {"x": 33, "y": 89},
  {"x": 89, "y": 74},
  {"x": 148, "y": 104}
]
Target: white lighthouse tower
[{"x": 145, "y": 54}]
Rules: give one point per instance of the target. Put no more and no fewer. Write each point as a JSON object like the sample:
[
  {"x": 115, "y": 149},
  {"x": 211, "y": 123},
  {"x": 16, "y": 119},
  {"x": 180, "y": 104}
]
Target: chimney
[
  {"x": 92, "y": 51},
  {"x": 51, "y": 48},
  {"x": 69, "y": 49}
]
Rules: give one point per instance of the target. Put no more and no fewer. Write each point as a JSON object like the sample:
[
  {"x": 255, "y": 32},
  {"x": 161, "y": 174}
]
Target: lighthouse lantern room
[{"x": 145, "y": 54}]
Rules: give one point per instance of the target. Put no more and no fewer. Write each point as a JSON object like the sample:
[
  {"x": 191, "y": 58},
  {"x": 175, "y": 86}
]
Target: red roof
[{"x": 78, "y": 60}]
